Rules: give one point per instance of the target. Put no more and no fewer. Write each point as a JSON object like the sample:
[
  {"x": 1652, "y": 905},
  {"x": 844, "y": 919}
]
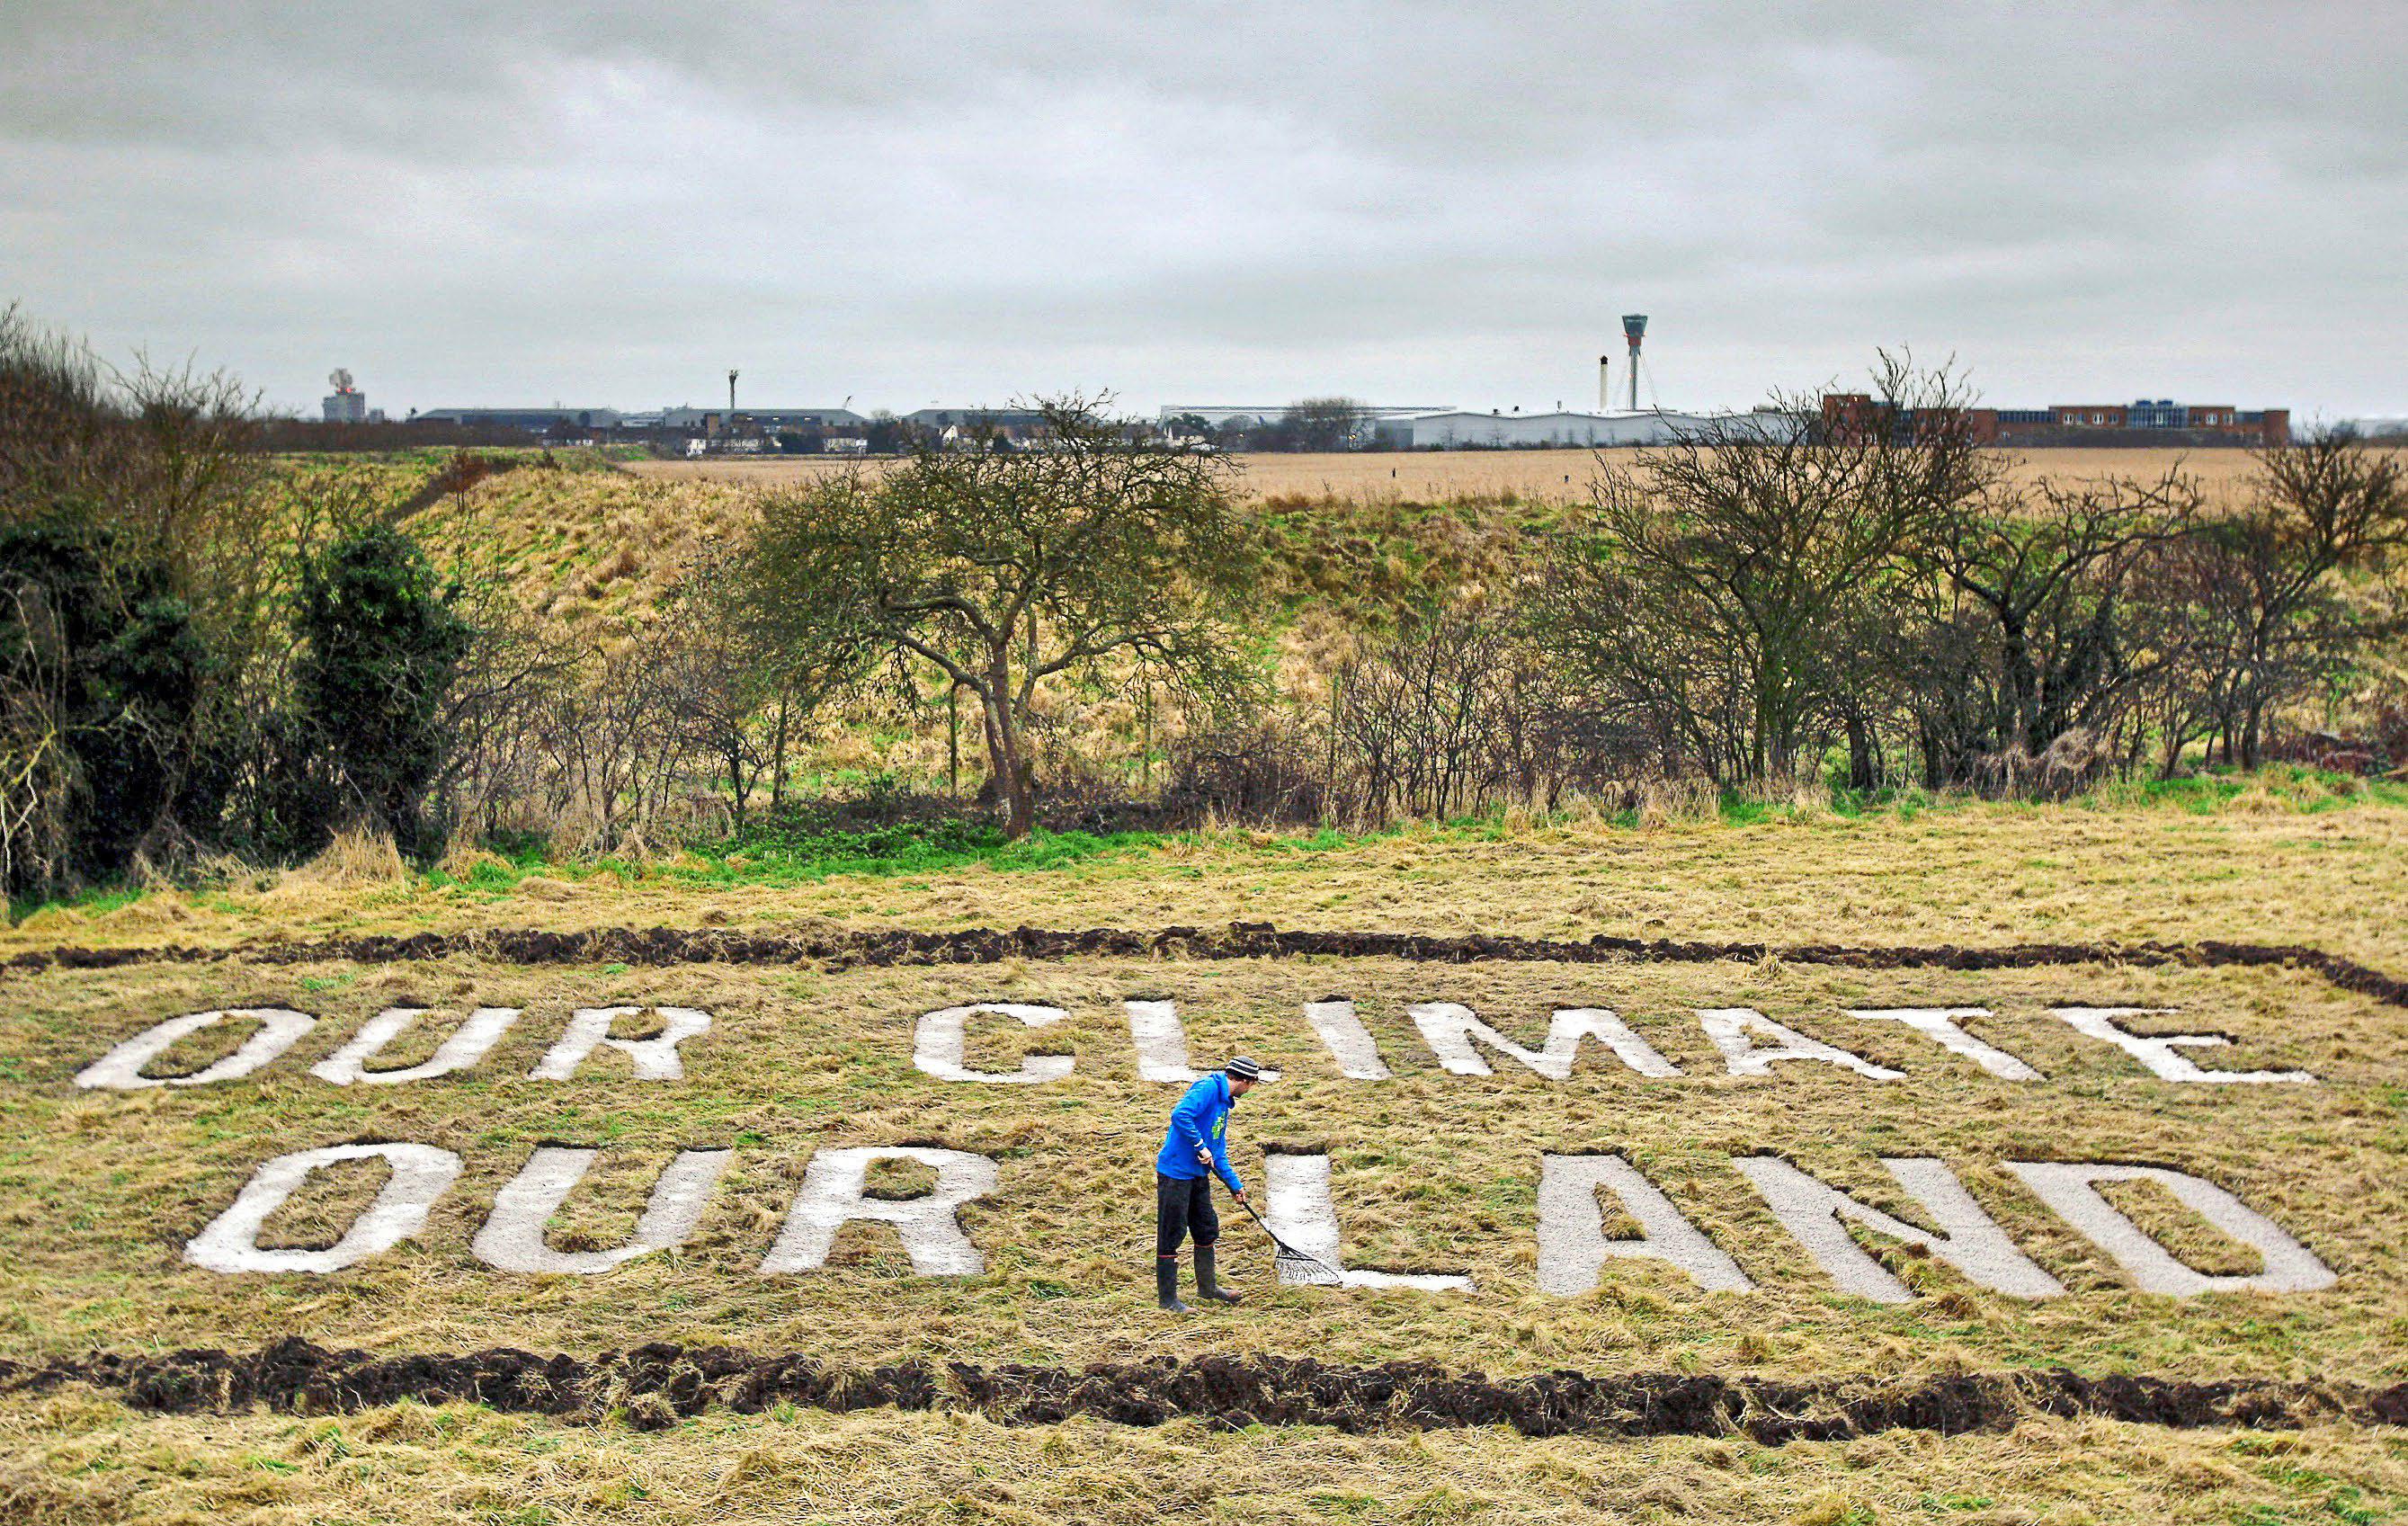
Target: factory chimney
[
  {"x": 1605, "y": 387},
  {"x": 1634, "y": 328}
]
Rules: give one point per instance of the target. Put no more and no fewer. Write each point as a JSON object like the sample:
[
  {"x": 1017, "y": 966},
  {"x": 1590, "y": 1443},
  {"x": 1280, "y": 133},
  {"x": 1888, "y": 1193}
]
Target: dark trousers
[{"x": 1183, "y": 1208}]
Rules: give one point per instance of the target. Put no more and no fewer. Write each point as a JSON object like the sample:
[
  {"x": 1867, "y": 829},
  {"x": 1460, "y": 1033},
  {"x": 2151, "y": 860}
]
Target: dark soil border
[
  {"x": 844, "y": 948},
  {"x": 652, "y": 1387}
]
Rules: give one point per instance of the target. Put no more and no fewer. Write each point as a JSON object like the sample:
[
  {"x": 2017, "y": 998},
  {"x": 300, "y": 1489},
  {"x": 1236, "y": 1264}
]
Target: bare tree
[
  {"x": 2029, "y": 637},
  {"x": 2326, "y": 507},
  {"x": 1321, "y": 424},
  {"x": 1716, "y": 590},
  {"x": 1424, "y": 715},
  {"x": 1004, "y": 571},
  {"x": 737, "y": 675}
]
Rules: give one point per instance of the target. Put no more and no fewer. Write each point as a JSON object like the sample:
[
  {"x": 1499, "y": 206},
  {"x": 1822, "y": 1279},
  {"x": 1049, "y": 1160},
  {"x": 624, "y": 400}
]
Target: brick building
[{"x": 2161, "y": 421}]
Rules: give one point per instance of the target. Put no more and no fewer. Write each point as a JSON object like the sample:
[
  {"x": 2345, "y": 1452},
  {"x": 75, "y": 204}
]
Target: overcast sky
[{"x": 1226, "y": 202}]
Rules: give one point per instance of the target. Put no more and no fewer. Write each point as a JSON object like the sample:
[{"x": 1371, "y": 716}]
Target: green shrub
[
  {"x": 381, "y": 645},
  {"x": 102, "y": 672}
]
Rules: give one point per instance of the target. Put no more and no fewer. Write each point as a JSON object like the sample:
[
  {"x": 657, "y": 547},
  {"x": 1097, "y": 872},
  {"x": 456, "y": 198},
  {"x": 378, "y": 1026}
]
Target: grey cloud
[{"x": 477, "y": 203}]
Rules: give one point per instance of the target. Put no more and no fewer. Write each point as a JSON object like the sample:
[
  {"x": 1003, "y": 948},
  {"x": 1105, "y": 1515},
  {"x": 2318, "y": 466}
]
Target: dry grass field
[
  {"x": 100, "y": 1190},
  {"x": 1545, "y": 476}
]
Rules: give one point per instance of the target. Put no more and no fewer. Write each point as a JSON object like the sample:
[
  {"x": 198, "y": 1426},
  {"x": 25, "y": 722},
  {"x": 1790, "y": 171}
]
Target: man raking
[{"x": 1194, "y": 1149}]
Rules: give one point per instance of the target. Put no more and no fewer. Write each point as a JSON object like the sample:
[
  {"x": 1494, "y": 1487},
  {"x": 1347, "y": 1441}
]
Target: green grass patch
[
  {"x": 96, "y": 902},
  {"x": 784, "y": 854}
]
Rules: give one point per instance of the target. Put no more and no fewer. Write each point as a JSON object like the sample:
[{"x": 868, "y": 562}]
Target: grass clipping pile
[{"x": 1433, "y": 1178}]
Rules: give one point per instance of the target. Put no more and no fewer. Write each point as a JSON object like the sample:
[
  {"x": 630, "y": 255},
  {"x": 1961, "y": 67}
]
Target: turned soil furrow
[
  {"x": 847, "y": 948},
  {"x": 654, "y": 1386}
]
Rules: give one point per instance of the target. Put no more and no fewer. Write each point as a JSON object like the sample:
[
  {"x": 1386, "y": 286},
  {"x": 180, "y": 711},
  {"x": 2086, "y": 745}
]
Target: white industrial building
[
  {"x": 1252, "y": 417},
  {"x": 709, "y": 419},
  {"x": 1457, "y": 430}
]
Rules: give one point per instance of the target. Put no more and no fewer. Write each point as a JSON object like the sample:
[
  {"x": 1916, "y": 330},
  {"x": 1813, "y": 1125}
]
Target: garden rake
[{"x": 1294, "y": 1264}]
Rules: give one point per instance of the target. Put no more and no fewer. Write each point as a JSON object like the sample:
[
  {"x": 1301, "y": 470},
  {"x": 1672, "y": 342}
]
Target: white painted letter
[
  {"x": 1969, "y": 1240},
  {"x": 655, "y": 1059},
  {"x": 2290, "y": 1266},
  {"x": 513, "y": 1236},
  {"x": 937, "y": 1045},
  {"x": 833, "y": 1194},
  {"x": 1573, "y": 1246},
  {"x": 1161, "y": 1044},
  {"x": 1449, "y": 1028},
  {"x": 1343, "y": 1035},
  {"x": 1730, "y": 1028},
  {"x": 463, "y": 1048},
  {"x": 1298, "y": 1209},
  {"x": 2157, "y": 1052},
  {"x": 1940, "y": 1023},
  {"x": 420, "y": 1173},
  {"x": 121, "y": 1069}
]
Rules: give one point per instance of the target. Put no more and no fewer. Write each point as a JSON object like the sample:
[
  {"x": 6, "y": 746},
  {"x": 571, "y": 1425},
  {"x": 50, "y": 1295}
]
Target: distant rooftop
[{"x": 1218, "y": 413}]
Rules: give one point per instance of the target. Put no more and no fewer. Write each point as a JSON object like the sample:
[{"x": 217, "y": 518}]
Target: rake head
[
  {"x": 1296, "y": 1266},
  {"x": 1292, "y": 1264}
]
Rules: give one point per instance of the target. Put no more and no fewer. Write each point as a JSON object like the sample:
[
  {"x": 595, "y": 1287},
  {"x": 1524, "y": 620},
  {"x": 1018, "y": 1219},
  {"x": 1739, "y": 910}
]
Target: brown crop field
[
  {"x": 696, "y": 1383},
  {"x": 1547, "y": 476}
]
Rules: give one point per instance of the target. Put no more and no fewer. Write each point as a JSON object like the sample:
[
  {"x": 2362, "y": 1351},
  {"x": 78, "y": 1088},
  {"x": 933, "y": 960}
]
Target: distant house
[{"x": 959, "y": 425}]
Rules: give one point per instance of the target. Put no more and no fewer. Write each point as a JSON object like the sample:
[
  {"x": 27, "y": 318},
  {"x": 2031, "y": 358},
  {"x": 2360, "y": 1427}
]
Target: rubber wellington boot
[
  {"x": 1208, "y": 1284},
  {"x": 1165, "y": 1285}
]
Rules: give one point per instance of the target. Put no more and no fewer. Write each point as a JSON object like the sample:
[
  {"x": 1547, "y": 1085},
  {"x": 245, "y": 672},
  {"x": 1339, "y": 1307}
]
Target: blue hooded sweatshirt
[{"x": 1200, "y": 1121}]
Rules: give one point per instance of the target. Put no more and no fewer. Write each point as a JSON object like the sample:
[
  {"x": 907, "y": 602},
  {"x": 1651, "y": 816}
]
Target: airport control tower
[{"x": 1634, "y": 328}]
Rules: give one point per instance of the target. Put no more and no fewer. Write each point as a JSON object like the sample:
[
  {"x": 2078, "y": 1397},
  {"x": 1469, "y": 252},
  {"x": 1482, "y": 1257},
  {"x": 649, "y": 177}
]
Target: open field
[
  {"x": 1005, "y": 1361},
  {"x": 1550, "y": 476},
  {"x": 1429, "y": 1171}
]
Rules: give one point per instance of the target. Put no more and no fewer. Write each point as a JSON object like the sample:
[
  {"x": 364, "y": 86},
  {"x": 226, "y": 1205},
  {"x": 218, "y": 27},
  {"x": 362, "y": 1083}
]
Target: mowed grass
[
  {"x": 2280, "y": 857},
  {"x": 1431, "y": 1172},
  {"x": 74, "y": 1458}
]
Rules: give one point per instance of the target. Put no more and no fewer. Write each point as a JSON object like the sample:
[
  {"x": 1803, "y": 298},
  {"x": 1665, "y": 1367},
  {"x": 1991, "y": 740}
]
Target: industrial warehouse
[{"x": 1337, "y": 423}]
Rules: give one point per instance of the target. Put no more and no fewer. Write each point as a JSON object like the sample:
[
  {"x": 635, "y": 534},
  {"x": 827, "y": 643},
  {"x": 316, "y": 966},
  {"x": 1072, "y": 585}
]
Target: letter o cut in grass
[
  {"x": 121, "y": 1069},
  {"x": 420, "y": 1174}
]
